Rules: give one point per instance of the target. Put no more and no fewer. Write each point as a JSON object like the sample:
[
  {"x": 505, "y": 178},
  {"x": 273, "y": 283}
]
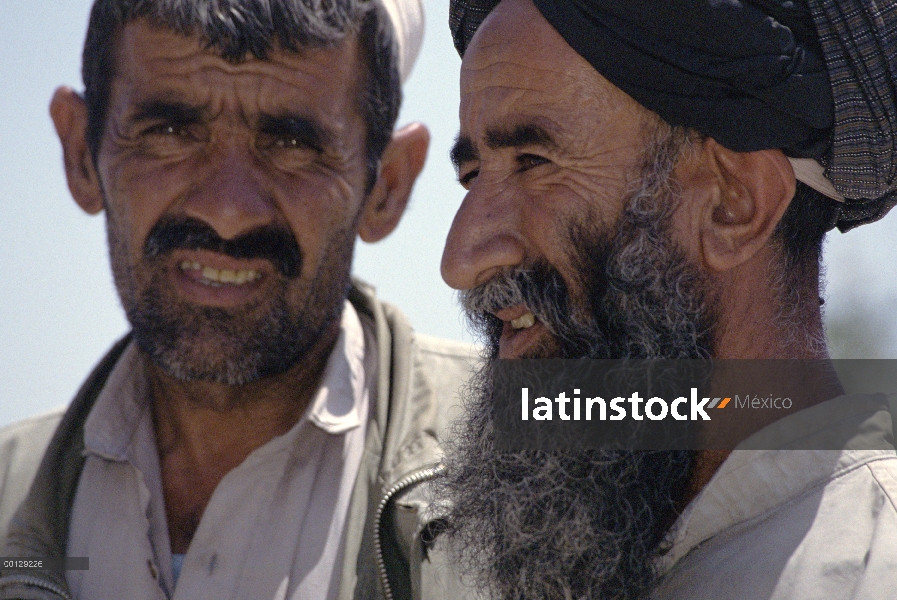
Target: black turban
[{"x": 815, "y": 78}]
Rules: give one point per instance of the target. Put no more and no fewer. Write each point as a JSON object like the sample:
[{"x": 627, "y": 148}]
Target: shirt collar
[
  {"x": 336, "y": 406},
  {"x": 122, "y": 410},
  {"x": 751, "y": 482}
]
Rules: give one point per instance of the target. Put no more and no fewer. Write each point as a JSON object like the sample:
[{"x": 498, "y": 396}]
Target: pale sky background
[{"x": 58, "y": 309}]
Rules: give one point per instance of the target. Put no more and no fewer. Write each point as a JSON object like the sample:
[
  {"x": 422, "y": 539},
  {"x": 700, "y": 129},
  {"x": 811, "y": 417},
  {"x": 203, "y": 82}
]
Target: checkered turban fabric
[{"x": 859, "y": 41}]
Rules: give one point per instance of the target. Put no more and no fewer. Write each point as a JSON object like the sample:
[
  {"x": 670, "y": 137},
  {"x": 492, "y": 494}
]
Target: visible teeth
[
  {"x": 220, "y": 276},
  {"x": 524, "y": 321}
]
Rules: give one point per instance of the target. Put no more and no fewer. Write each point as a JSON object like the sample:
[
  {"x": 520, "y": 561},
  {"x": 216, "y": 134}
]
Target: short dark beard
[
  {"x": 590, "y": 523},
  {"x": 229, "y": 346}
]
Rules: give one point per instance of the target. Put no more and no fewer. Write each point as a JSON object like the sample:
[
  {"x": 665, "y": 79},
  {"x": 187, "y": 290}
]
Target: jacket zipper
[
  {"x": 411, "y": 479},
  {"x": 32, "y": 581}
]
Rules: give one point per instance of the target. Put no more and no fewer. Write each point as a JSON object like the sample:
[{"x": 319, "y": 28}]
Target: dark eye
[
  {"x": 169, "y": 140},
  {"x": 465, "y": 179},
  {"x": 525, "y": 162},
  {"x": 284, "y": 142},
  {"x": 289, "y": 153},
  {"x": 288, "y": 143},
  {"x": 172, "y": 129}
]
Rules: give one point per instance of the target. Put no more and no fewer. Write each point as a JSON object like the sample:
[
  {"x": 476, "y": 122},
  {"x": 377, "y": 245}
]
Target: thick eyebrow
[
  {"x": 463, "y": 151},
  {"x": 179, "y": 113},
  {"x": 302, "y": 129},
  {"x": 528, "y": 134}
]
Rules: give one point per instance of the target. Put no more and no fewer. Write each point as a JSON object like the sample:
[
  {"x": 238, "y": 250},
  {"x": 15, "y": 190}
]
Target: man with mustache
[
  {"x": 265, "y": 429},
  {"x": 645, "y": 181}
]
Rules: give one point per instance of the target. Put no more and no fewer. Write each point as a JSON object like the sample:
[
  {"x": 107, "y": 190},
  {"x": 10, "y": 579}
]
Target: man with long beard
[
  {"x": 643, "y": 184},
  {"x": 265, "y": 429}
]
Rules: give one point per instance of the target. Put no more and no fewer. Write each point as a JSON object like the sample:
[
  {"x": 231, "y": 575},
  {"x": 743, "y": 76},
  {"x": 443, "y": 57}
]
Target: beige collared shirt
[
  {"x": 274, "y": 525},
  {"x": 795, "y": 524}
]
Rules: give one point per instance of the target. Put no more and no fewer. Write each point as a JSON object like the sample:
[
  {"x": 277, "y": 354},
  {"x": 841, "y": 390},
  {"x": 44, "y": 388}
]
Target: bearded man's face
[
  {"x": 590, "y": 523},
  {"x": 564, "y": 247}
]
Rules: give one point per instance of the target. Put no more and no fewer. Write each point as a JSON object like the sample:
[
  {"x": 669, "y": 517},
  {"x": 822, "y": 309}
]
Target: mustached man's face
[
  {"x": 233, "y": 192},
  {"x": 565, "y": 246}
]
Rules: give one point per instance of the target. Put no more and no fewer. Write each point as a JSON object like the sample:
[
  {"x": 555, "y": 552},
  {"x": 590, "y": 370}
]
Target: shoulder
[
  {"x": 851, "y": 533},
  {"x": 458, "y": 358},
  {"x": 448, "y": 348},
  {"x": 837, "y": 539},
  {"x": 421, "y": 379},
  {"x": 444, "y": 361},
  {"x": 882, "y": 475},
  {"x": 22, "y": 446},
  {"x": 12, "y": 434},
  {"x": 439, "y": 376}
]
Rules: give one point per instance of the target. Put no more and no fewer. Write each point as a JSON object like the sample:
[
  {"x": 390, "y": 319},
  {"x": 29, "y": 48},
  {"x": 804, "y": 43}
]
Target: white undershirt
[{"x": 274, "y": 526}]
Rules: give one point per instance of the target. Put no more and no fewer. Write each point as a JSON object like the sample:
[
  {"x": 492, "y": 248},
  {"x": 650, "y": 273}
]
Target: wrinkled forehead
[
  {"x": 141, "y": 38},
  {"x": 145, "y": 51},
  {"x": 163, "y": 74}
]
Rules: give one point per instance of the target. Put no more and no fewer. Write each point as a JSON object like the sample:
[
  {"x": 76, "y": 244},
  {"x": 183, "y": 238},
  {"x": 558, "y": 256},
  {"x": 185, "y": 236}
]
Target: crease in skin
[
  {"x": 196, "y": 69},
  {"x": 578, "y": 168},
  {"x": 229, "y": 126}
]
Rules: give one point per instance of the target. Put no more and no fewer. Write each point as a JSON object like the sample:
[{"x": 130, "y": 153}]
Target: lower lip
[{"x": 515, "y": 343}]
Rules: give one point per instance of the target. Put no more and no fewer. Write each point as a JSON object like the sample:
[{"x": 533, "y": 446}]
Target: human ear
[
  {"x": 69, "y": 114},
  {"x": 749, "y": 192},
  {"x": 401, "y": 163}
]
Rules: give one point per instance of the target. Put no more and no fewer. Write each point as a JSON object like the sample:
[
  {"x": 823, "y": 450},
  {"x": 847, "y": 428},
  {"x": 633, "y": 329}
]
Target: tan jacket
[{"x": 417, "y": 397}]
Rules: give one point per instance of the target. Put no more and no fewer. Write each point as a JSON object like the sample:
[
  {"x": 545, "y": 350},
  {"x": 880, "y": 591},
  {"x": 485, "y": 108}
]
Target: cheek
[
  {"x": 136, "y": 199},
  {"x": 319, "y": 213},
  {"x": 576, "y": 188},
  {"x": 571, "y": 204},
  {"x": 566, "y": 238}
]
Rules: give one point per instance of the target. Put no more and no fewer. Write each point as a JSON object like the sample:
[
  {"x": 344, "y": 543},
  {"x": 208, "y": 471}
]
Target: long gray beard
[{"x": 585, "y": 524}]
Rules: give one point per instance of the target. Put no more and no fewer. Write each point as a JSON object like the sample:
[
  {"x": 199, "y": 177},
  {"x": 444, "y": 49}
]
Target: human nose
[
  {"x": 232, "y": 197},
  {"x": 485, "y": 239}
]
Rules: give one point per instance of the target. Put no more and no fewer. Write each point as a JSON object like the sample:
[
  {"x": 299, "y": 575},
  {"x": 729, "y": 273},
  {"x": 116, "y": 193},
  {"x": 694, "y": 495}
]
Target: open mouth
[
  {"x": 217, "y": 277},
  {"x": 521, "y": 332},
  {"x": 524, "y": 321}
]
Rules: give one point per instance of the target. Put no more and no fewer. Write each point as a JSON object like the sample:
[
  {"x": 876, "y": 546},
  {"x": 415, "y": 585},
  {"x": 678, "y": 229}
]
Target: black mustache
[{"x": 274, "y": 244}]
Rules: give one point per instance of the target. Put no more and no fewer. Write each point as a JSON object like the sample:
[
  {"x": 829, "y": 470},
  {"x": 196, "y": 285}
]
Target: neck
[
  {"x": 205, "y": 429},
  {"x": 759, "y": 322},
  {"x": 763, "y": 314}
]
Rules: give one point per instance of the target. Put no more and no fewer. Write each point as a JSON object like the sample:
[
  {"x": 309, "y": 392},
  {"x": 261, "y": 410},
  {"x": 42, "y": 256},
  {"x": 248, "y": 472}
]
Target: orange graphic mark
[{"x": 724, "y": 403}]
